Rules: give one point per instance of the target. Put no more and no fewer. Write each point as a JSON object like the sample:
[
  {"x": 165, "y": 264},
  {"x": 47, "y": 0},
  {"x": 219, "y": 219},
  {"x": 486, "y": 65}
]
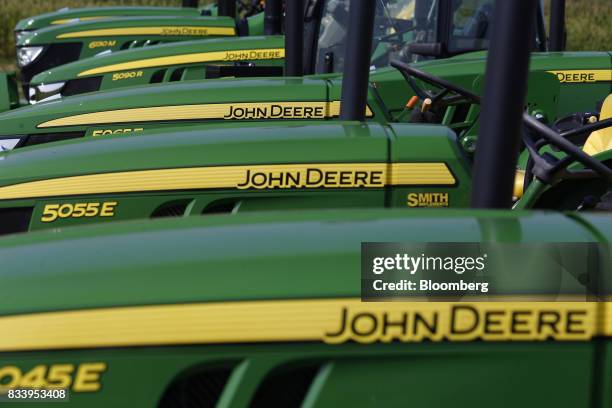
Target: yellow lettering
[
  {"x": 87, "y": 378},
  {"x": 10, "y": 376}
]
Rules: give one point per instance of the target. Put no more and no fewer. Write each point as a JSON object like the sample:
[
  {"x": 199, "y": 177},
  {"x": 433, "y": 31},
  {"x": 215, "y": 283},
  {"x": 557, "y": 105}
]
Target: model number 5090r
[{"x": 52, "y": 212}]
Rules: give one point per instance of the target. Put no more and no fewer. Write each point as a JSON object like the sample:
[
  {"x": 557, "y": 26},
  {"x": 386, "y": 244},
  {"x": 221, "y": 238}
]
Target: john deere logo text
[
  {"x": 312, "y": 178},
  {"x": 254, "y": 55},
  {"x": 427, "y": 200},
  {"x": 581, "y": 76},
  {"x": 455, "y": 322},
  {"x": 276, "y": 111},
  {"x": 187, "y": 31}
]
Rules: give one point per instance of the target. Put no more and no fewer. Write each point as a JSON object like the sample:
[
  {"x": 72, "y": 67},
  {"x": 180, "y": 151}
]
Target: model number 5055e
[{"x": 52, "y": 212}]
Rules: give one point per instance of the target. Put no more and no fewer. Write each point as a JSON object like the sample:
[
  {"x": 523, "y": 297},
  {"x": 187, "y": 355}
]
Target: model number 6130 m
[{"x": 52, "y": 212}]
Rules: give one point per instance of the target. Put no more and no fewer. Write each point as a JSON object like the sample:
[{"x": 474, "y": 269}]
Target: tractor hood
[
  {"x": 158, "y": 105},
  {"x": 138, "y": 26},
  {"x": 232, "y": 167},
  {"x": 68, "y": 15},
  {"x": 220, "y": 145},
  {"x": 215, "y": 259},
  {"x": 139, "y": 66},
  {"x": 474, "y": 62},
  {"x": 41, "y": 50},
  {"x": 274, "y": 301}
]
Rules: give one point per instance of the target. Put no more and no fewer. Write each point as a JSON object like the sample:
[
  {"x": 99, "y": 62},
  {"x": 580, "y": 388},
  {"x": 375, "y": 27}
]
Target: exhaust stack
[
  {"x": 294, "y": 38},
  {"x": 227, "y": 8},
  {"x": 357, "y": 60},
  {"x": 556, "y": 39},
  {"x": 273, "y": 13},
  {"x": 504, "y": 96}
]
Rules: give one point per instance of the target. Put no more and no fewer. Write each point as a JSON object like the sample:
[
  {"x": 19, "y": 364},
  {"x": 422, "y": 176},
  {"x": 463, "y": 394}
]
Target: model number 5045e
[{"x": 52, "y": 212}]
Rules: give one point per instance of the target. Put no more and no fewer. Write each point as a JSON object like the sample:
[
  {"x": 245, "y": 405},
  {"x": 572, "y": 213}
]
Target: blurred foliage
[
  {"x": 588, "y": 21},
  {"x": 588, "y": 24}
]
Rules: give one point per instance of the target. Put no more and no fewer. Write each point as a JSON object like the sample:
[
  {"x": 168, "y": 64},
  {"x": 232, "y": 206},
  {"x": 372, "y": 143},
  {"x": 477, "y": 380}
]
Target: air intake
[
  {"x": 171, "y": 209},
  {"x": 285, "y": 387},
  {"x": 199, "y": 389},
  {"x": 14, "y": 220}
]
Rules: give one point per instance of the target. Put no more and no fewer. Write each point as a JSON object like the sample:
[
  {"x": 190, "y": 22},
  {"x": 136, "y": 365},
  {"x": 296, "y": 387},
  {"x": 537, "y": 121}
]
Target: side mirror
[{"x": 427, "y": 49}]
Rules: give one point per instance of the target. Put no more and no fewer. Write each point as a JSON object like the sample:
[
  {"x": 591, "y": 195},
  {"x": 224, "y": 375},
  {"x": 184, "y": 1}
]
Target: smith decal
[{"x": 427, "y": 200}]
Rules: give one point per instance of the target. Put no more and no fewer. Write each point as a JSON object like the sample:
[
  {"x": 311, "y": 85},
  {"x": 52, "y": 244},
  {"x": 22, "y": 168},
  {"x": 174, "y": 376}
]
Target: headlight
[
  {"x": 8, "y": 144},
  {"x": 19, "y": 35},
  {"x": 45, "y": 92},
  {"x": 26, "y": 55}
]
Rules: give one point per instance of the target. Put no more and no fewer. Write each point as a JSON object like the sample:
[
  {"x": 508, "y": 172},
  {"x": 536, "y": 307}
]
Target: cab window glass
[
  {"x": 471, "y": 25},
  {"x": 397, "y": 24}
]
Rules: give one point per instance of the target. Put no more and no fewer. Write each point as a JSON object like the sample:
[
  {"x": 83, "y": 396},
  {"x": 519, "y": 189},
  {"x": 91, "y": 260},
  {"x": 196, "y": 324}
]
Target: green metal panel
[
  {"x": 293, "y": 256},
  {"x": 114, "y": 42},
  {"x": 45, "y": 20},
  {"x": 139, "y": 57},
  {"x": 314, "y": 243},
  {"x": 9, "y": 97}
]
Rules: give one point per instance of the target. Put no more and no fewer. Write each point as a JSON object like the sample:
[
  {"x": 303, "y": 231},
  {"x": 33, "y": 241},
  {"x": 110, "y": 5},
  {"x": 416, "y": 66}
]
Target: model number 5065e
[{"x": 52, "y": 212}]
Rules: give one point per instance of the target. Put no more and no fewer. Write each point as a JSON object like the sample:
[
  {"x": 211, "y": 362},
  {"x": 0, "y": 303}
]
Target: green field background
[{"x": 589, "y": 22}]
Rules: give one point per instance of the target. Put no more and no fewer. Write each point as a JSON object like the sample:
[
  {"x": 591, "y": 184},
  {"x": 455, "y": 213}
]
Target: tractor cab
[{"x": 410, "y": 31}]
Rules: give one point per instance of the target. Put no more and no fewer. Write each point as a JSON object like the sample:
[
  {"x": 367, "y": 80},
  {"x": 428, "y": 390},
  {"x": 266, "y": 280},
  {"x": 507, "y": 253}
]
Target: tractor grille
[
  {"x": 52, "y": 56},
  {"x": 285, "y": 387},
  {"x": 42, "y": 138},
  {"x": 199, "y": 389},
  {"x": 171, "y": 209},
  {"x": 14, "y": 220},
  {"x": 137, "y": 44},
  {"x": 81, "y": 85}
]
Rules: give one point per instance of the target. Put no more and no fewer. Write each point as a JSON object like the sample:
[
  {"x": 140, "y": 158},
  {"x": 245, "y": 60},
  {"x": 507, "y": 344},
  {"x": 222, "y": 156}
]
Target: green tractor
[
  {"x": 49, "y": 47},
  {"x": 264, "y": 310},
  {"x": 241, "y": 166},
  {"x": 399, "y": 23},
  {"x": 68, "y": 15},
  {"x": 131, "y": 111}
]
